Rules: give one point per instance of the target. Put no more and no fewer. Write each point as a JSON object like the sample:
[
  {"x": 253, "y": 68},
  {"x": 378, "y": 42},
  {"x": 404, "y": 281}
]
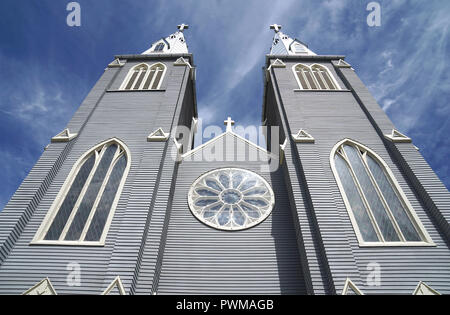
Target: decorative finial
[
  {"x": 275, "y": 27},
  {"x": 182, "y": 27},
  {"x": 229, "y": 123}
]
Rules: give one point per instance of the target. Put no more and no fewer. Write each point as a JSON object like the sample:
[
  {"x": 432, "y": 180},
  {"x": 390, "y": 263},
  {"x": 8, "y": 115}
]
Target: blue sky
[{"x": 47, "y": 67}]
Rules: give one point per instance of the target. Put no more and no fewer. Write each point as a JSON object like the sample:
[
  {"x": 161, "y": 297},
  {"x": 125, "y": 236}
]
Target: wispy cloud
[{"x": 47, "y": 67}]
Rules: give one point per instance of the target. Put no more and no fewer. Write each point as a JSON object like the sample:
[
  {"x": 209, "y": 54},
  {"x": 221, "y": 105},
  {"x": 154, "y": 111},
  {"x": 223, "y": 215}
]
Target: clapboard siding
[
  {"x": 333, "y": 116},
  {"x": 104, "y": 114},
  {"x": 199, "y": 259}
]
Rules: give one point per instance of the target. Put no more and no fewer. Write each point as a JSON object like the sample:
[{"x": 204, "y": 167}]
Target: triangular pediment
[
  {"x": 43, "y": 287},
  {"x": 277, "y": 63},
  {"x": 424, "y": 289},
  {"x": 343, "y": 64},
  {"x": 158, "y": 135},
  {"x": 182, "y": 62},
  {"x": 397, "y": 136},
  {"x": 116, "y": 63},
  {"x": 229, "y": 147},
  {"x": 115, "y": 288},
  {"x": 64, "y": 136},
  {"x": 350, "y": 288},
  {"x": 302, "y": 137}
]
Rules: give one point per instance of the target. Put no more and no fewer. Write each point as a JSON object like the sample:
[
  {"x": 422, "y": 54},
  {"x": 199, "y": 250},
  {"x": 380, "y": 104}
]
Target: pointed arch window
[
  {"x": 84, "y": 208},
  {"x": 378, "y": 208},
  {"x": 315, "y": 77},
  {"x": 144, "y": 77}
]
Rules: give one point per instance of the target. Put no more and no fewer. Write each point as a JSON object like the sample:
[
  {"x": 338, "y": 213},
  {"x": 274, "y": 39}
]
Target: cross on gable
[
  {"x": 229, "y": 122},
  {"x": 182, "y": 27},
  {"x": 275, "y": 27}
]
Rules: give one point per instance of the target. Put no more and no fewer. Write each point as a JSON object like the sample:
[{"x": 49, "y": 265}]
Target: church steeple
[
  {"x": 172, "y": 44},
  {"x": 282, "y": 44}
]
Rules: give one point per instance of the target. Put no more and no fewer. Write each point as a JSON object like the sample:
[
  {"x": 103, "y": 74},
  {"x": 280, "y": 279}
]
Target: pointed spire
[
  {"x": 282, "y": 44},
  {"x": 172, "y": 44}
]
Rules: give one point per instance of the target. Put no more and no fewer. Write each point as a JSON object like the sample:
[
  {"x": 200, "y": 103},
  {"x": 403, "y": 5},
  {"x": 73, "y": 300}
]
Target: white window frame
[
  {"x": 194, "y": 209},
  {"x": 51, "y": 214},
  {"x": 426, "y": 239},
  {"x": 149, "y": 69},
  {"x": 314, "y": 78}
]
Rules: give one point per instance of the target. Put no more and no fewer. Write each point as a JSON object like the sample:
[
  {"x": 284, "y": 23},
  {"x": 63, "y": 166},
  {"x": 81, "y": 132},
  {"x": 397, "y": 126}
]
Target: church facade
[{"x": 121, "y": 202}]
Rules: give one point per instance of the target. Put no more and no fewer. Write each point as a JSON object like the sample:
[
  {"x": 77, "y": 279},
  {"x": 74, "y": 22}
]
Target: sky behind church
[{"x": 47, "y": 67}]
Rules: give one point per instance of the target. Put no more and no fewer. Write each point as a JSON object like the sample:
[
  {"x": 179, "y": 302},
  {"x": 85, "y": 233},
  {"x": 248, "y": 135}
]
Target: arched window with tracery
[
  {"x": 84, "y": 208},
  {"x": 143, "y": 77},
  {"x": 379, "y": 210},
  {"x": 305, "y": 77},
  {"x": 315, "y": 77},
  {"x": 323, "y": 77}
]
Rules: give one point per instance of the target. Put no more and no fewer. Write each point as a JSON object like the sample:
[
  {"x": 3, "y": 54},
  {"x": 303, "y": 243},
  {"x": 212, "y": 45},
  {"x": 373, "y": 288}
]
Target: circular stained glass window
[{"x": 231, "y": 199}]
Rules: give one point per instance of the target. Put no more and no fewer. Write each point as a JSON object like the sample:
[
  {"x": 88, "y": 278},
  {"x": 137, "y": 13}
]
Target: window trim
[
  {"x": 130, "y": 74},
  {"x": 333, "y": 79},
  {"x": 194, "y": 211},
  {"x": 415, "y": 220},
  {"x": 55, "y": 207}
]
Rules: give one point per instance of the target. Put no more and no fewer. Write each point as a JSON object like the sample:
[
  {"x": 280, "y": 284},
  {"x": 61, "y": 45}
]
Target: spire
[
  {"x": 282, "y": 44},
  {"x": 172, "y": 44}
]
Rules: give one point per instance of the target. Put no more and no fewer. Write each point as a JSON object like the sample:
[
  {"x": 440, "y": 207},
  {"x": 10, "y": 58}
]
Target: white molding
[
  {"x": 55, "y": 207},
  {"x": 182, "y": 62},
  {"x": 115, "y": 283},
  {"x": 350, "y": 285},
  {"x": 144, "y": 80},
  {"x": 211, "y": 141},
  {"x": 424, "y": 289},
  {"x": 343, "y": 64},
  {"x": 415, "y": 220},
  {"x": 397, "y": 137},
  {"x": 158, "y": 136},
  {"x": 303, "y": 137},
  {"x": 45, "y": 285},
  {"x": 333, "y": 79},
  {"x": 116, "y": 63},
  {"x": 277, "y": 63},
  {"x": 268, "y": 197},
  {"x": 64, "y": 136}
]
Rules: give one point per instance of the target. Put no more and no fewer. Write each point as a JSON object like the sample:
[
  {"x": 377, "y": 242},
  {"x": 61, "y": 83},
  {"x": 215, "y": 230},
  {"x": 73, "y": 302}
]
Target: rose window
[{"x": 231, "y": 199}]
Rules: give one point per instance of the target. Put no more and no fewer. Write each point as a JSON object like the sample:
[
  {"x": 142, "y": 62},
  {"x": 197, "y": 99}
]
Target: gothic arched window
[
  {"x": 323, "y": 77},
  {"x": 143, "y": 77},
  {"x": 305, "y": 77},
  {"x": 378, "y": 208},
  {"x": 84, "y": 208},
  {"x": 315, "y": 77}
]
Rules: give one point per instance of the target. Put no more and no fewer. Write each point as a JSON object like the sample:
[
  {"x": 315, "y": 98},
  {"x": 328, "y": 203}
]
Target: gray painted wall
[
  {"x": 333, "y": 116},
  {"x": 105, "y": 113}
]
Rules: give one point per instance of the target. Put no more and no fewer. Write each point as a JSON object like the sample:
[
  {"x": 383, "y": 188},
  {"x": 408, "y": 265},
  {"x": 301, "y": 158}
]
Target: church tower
[
  {"x": 87, "y": 205},
  {"x": 371, "y": 215}
]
